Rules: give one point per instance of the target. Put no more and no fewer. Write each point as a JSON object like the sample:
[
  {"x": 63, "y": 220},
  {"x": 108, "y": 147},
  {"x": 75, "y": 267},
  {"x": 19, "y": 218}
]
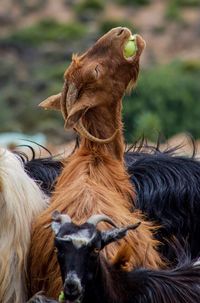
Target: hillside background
[{"x": 38, "y": 37}]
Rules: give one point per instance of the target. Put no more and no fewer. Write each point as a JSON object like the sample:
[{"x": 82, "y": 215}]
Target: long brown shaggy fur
[
  {"x": 89, "y": 187},
  {"x": 94, "y": 180},
  {"x": 122, "y": 257}
]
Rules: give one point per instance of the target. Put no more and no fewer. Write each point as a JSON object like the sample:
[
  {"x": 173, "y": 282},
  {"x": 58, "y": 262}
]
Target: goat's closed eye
[{"x": 97, "y": 72}]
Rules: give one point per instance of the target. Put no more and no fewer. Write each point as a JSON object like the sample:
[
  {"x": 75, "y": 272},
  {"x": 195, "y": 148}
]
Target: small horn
[
  {"x": 52, "y": 102},
  {"x": 115, "y": 234},
  {"x": 72, "y": 94},
  {"x": 80, "y": 128},
  {"x": 129, "y": 227},
  {"x": 58, "y": 217},
  {"x": 95, "y": 219}
]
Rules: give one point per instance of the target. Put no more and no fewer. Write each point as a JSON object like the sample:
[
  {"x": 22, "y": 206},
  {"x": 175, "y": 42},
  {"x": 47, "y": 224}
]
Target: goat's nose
[
  {"x": 120, "y": 31},
  {"x": 71, "y": 286}
]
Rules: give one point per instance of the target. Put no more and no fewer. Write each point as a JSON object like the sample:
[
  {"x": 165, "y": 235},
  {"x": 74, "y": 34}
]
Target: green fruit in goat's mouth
[
  {"x": 130, "y": 47},
  {"x": 61, "y": 297}
]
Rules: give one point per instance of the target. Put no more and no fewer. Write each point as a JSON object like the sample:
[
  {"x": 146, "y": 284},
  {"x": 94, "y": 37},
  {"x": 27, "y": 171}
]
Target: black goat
[
  {"x": 168, "y": 192},
  {"x": 43, "y": 170},
  {"x": 87, "y": 277}
]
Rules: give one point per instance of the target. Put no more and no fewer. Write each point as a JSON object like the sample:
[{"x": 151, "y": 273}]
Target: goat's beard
[{"x": 78, "y": 300}]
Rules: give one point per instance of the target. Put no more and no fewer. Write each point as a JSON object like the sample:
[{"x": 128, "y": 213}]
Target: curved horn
[
  {"x": 115, "y": 234},
  {"x": 95, "y": 219},
  {"x": 80, "y": 128},
  {"x": 63, "y": 100}
]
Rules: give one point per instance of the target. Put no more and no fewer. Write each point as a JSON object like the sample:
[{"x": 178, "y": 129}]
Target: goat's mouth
[
  {"x": 69, "y": 298},
  {"x": 132, "y": 47}
]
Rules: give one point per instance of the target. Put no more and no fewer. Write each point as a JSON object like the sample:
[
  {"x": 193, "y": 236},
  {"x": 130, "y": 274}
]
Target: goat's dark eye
[{"x": 96, "y": 250}]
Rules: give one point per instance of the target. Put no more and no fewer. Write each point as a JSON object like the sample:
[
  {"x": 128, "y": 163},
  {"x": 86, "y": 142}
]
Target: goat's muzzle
[{"x": 72, "y": 289}]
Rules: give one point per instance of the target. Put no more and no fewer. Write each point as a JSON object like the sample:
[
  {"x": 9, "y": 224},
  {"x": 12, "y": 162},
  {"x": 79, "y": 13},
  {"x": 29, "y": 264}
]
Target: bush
[
  {"x": 166, "y": 100},
  {"x": 31, "y": 6},
  {"x": 159, "y": 29},
  {"x": 188, "y": 2},
  {"x": 87, "y": 10},
  {"x": 134, "y": 2},
  {"x": 95, "y": 5},
  {"x": 20, "y": 96},
  {"x": 148, "y": 125},
  {"x": 173, "y": 11},
  {"x": 191, "y": 66},
  {"x": 47, "y": 31},
  {"x": 106, "y": 25}
]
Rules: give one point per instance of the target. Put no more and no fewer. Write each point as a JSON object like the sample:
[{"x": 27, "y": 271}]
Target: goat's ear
[
  {"x": 55, "y": 227},
  {"x": 115, "y": 234},
  {"x": 53, "y": 102},
  {"x": 78, "y": 109}
]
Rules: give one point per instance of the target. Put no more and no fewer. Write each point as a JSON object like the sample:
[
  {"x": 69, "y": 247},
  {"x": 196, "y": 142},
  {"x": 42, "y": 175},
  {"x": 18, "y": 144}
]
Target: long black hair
[
  {"x": 168, "y": 192},
  {"x": 44, "y": 170}
]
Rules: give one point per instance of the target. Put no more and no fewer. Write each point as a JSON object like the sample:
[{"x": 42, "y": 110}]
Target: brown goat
[{"x": 94, "y": 179}]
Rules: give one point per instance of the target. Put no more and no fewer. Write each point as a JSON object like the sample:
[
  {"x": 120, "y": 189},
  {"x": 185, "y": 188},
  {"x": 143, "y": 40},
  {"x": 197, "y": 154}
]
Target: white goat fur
[{"x": 20, "y": 201}]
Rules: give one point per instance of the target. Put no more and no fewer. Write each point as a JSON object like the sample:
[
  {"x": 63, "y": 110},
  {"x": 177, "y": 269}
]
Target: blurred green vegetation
[
  {"x": 95, "y": 5},
  {"x": 173, "y": 11},
  {"x": 180, "y": 3},
  {"x": 20, "y": 97},
  {"x": 134, "y": 2},
  {"x": 89, "y": 10},
  {"x": 165, "y": 100},
  {"x": 188, "y": 2},
  {"x": 31, "y": 6},
  {"x": 47, "y": 31},
  {"x": 106, "y": 25}
]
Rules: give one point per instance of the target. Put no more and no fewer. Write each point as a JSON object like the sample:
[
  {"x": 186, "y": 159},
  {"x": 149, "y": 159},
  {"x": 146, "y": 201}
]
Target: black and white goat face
[{"x": 78, "y": 248}]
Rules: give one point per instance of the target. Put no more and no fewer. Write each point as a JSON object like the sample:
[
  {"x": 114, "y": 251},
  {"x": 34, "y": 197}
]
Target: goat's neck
[
  {"x": 102, "y": 122},
  {"x": 114, "y": 285},
  {"x": 104, "y": 286}
]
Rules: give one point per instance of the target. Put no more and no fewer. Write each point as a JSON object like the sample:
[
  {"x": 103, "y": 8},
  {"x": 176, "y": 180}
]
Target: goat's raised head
[
  {"x": 78, "y": 248},
  {"x": 99, "y": 77}
]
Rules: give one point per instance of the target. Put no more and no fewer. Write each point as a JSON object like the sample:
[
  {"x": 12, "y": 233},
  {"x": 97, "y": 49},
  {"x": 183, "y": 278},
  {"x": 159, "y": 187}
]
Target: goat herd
[{"x": 102, "y": 225}]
